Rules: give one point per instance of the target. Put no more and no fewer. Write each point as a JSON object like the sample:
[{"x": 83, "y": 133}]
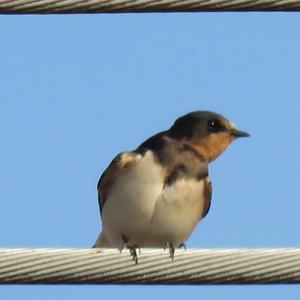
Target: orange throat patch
[{"x": 213, "y": 145}]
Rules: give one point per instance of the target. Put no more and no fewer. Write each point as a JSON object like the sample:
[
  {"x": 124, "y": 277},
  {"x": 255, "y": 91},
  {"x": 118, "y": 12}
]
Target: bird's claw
[
  {"x": 182, "y": 246},
  {"x": 133, "y": 253},
  {"x": 171, "y": 248},
  {"x": 124, "y": 243},
  {"x": 132, "y": 249}
]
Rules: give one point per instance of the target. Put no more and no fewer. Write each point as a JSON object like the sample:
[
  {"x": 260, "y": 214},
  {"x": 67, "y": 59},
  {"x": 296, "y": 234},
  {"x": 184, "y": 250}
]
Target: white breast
[
  {"x": 178, "y": 210},
  {"x": 142, "y": 210}
]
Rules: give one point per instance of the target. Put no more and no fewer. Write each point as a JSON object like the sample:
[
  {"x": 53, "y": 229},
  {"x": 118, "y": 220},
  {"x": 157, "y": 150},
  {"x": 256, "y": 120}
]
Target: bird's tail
[{"x": 101, "y": 241}]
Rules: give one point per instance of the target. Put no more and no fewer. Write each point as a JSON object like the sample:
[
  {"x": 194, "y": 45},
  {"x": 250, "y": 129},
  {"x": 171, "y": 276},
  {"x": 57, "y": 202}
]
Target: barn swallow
[{"x": 154, "y": 196}]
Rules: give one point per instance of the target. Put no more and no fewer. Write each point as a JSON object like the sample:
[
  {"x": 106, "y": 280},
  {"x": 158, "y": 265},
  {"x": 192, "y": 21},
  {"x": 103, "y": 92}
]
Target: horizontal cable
[
  {"x": 192, "y": 266},
  {"x": 119, "y": 6}
]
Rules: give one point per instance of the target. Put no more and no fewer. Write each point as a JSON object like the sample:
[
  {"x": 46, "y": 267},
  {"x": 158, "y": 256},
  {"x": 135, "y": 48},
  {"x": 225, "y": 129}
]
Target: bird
[{"x": 155, "y": 195}]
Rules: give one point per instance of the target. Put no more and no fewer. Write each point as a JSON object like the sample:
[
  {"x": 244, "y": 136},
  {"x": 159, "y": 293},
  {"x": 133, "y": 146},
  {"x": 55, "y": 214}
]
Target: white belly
[{"x": 147, "y": 214}]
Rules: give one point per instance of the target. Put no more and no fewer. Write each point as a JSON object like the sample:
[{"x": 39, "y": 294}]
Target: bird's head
[{"x": 207, "y": 132}]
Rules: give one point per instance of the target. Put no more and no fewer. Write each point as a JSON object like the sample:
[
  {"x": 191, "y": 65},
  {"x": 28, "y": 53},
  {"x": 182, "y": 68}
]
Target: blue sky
[{"x": 77, "y": 90}]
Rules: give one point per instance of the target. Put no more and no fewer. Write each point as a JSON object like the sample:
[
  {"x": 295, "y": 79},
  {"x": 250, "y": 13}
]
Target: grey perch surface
[
  {"x": 121, "y": 6},
  {"x": 109, "y": 266}
]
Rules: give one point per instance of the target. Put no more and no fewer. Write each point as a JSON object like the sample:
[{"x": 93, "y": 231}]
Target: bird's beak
[{"x": 237, "y": 133}]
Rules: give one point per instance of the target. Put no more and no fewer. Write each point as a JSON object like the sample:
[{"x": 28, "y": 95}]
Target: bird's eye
[{"x": 213, "y": 125}]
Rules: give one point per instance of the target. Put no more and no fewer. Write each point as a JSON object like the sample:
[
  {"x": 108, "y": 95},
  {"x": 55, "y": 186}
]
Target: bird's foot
[
  {"x": 171, "y": 248},
  {"x": 124, "y": 243},
  {"x": 132, "y": 249},
  {"x": 133, "y": 252}
]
